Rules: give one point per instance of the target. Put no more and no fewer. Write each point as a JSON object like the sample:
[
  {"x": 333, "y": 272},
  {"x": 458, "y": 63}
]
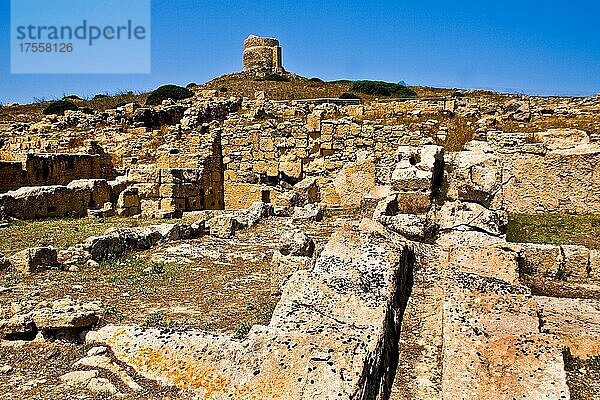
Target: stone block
[
  {"x": 576, "y": 261},
  {"x": 34, "y": 259}
]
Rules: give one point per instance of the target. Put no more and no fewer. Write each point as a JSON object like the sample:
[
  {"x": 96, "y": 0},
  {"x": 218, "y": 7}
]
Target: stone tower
[{"x": 262, "y": 54}]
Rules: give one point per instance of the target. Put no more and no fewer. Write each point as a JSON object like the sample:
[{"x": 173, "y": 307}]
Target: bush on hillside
[
  {"x": 166, "y": 92},
  {"x": 99, "y": 96},
  {"x": 59, "y": 107},
  {"x": 317, "y": 80},
  {"x": 347, "y": 95},
  {"x": 379, "y": 88},
  {"x": 72, "y": 97}
]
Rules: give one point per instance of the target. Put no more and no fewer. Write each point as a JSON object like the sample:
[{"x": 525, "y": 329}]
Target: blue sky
[{"x": 536, "y": 47}]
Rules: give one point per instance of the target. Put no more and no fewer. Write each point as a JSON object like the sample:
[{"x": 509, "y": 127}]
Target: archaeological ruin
[{"x": 368, "y": 239}]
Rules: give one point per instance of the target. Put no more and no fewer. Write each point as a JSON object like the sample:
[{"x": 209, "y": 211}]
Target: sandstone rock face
[
  {"x": 33, "y": 260},
  {"x": 332, "y": 334},
  {"x": 262, "y": 54}
]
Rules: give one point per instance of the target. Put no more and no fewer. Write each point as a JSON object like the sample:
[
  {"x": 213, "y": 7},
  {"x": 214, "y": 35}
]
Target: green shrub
[
  {"x": 223, "y": 89},
  {"x": 100, "y": 96},
  {"x": 273, "y": 78},
  {"x": 341, "y": 81},
  {"x": 59, "y": 107},
  {"x": 458, "y": 94},
  {"x": 378, "y": 88},
  {"x": 318, "y": 80},
  {"x": 168, "y": 92},
  {"x": 347, "y": 95},
  {"x": 191, "y": 85},
  {"x": 242, "y": 330},
  {"x": 72, "y": 97}
]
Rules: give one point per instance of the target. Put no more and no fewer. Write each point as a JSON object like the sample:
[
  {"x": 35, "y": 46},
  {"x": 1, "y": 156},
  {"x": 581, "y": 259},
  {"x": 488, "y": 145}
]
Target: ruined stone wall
[
  {"x": 257, "y": 157},
  {"x": 54, "y": 169},
  {"x": 563, "y": 181},
  {"x": 182, "y": 181}
]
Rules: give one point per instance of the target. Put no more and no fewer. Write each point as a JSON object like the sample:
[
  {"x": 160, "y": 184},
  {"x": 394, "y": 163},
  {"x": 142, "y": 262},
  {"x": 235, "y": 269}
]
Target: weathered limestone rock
[
  {"x": 411, "y": 226},
  {"x": 474, "y": 176},
  {"x": 105, "y": 212},
  {"x": 295, "y": 252},
  {"x": 89, "y": 380},
  {"x": 56, "y": 201},
  {"x": 461, "y": 216},
  {"x": 557, "y": 139},
  {"x": 35, "y": 259},
  {"x": 552, "y": 182},
  {"x": 105, "y": 363},
  {"x": 492, "y": 346},
  {"x": 283, "y": 266},
  {"x": 308, "y": 191},
  {"x": 540, "y": 259},
  {"x": 256, "y": 213},
  {"x": 128, "y": 203},
  {"x": 295, "y": 242},
  {"x": 595, "y": 264},
  {"x": 117, "y": 241},
  {"x": 576, "y": 261},
  {"x": 490, "y": 261},
  {"x": 225, "y": 225},
  {"x": 66, "y": 314},
  {"x": 310, "y": 212},
  {"x": 354, "y": 181},
  {"x": 332, "y": 335},
  {"x": 63, "y": 315},
  {"x": 575, "y": 321}
]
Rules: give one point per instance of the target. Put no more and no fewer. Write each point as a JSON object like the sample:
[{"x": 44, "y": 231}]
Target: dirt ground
[{"x": 216, "y": 285}]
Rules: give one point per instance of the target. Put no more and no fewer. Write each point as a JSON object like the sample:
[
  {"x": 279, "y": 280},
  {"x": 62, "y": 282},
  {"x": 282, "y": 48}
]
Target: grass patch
[
  {"x": 61, "y": 233},
  {"x": 555, "y": 229},
  {"x": 141, "y": 275}
]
